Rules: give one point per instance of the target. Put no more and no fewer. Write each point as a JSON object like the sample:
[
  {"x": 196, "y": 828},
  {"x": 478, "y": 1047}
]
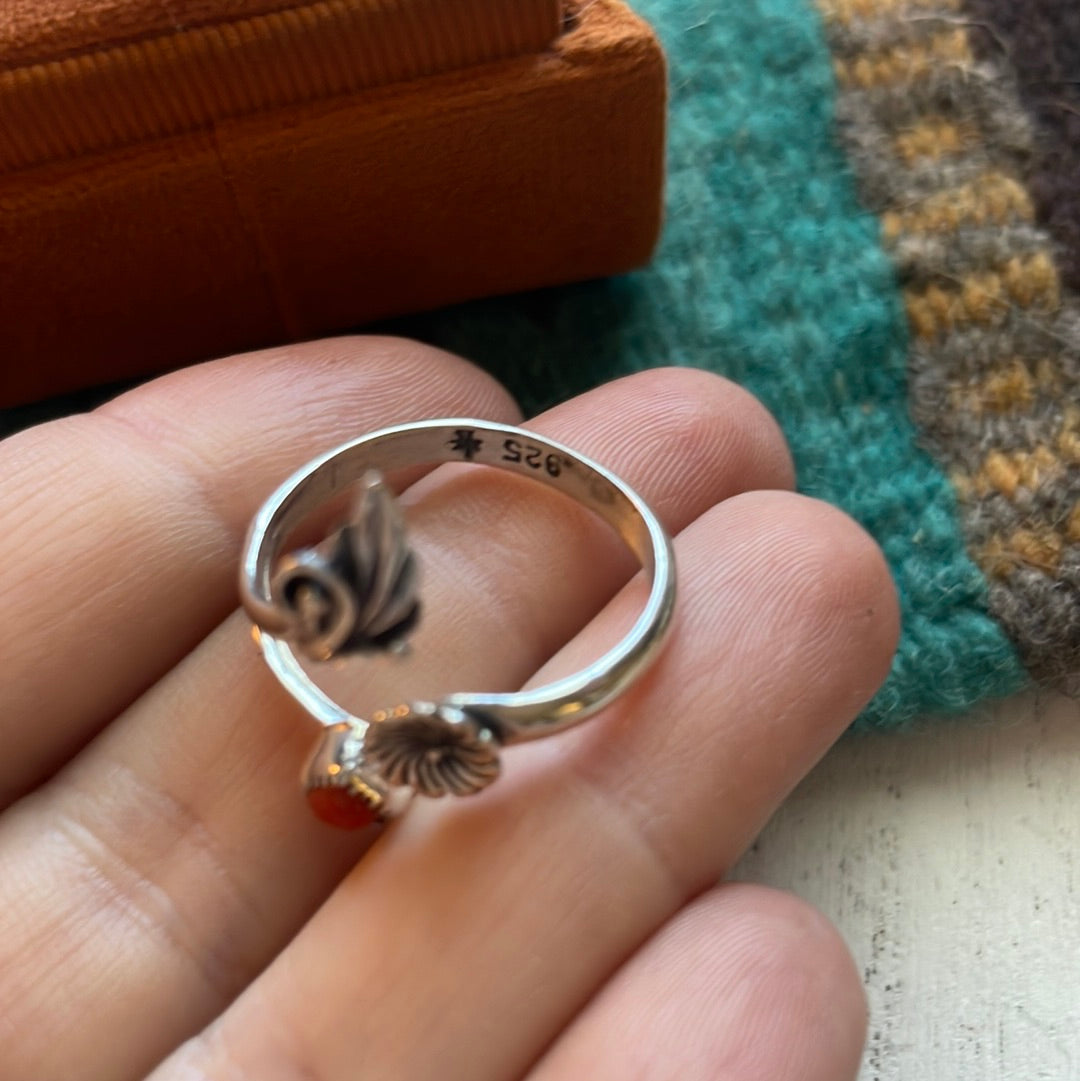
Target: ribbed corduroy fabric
[
  {"x": 63, "y": 95},
  {"x": 229, "y": 174}
]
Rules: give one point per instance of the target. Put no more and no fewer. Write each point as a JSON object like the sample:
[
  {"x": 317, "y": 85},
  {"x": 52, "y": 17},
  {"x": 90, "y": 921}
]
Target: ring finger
[{"x": 745, "y": 984}]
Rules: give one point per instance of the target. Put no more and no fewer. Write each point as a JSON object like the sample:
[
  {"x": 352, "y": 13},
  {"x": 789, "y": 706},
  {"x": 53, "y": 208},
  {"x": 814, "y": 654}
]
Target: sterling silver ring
[{"x": 356, "y": 592}]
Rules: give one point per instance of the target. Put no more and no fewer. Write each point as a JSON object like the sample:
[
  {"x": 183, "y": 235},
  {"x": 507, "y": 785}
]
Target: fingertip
[
  {"x": 833, "y": 584},
  {"x": 707, "y": 409},
  {"x": 745, "y": 982},
  {"x": 775, "y": 962},
  {"x": 853, "y": 596},
  {"x": 710, "y": 434}
]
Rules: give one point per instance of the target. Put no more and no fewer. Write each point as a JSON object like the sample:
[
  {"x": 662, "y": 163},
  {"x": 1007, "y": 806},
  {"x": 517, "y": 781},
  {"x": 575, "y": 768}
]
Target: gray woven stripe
[
  {"x": 971, "y": 353},
  {"x": 875, "y": 35},
  {"x": 947, "y": 256},
  {"x": 871, "y": 120}
]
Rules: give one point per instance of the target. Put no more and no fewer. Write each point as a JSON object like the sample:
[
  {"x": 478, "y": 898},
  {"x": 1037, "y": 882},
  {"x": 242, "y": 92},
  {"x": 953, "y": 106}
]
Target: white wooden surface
[{"x": 949, "y": 856}]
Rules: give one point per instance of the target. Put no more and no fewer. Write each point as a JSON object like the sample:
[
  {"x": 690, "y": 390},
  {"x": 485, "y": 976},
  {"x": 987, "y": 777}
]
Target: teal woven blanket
[{"x": 848, "y": 235}]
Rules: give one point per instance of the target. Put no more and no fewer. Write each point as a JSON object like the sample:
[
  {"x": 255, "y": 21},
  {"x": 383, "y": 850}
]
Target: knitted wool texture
[
  {"x": 773, "y": 273},
  {"x": 942, "y": 149}
]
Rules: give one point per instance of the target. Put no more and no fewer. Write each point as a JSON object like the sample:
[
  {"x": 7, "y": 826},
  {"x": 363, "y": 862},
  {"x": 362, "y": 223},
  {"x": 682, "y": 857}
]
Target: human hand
[{"x": 166, "y": 899}]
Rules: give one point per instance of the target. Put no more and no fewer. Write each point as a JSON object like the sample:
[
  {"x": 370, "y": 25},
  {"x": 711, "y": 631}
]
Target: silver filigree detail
[
  {"x": 355, "y": 591},
  {"x": 435, "y": 752}
]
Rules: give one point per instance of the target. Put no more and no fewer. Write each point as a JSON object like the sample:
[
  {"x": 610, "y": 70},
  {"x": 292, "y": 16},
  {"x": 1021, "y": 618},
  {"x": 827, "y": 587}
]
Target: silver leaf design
[{"x": 357, "y": 590}]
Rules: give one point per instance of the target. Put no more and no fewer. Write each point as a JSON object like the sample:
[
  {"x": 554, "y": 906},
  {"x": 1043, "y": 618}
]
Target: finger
[
  {"x": 187, "y": 810},
  {"x": 515, "y": 906},
  {"x": 745, "y": 984},
  {"x": 119, "y": 527}
]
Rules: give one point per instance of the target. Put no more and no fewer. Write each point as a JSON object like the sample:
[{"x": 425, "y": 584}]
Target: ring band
[{"x": 355, "y": 592}]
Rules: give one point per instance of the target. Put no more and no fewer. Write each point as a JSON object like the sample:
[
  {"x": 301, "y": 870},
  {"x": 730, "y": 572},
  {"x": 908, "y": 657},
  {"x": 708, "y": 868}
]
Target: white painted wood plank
[{"x": 947, "y": 855}]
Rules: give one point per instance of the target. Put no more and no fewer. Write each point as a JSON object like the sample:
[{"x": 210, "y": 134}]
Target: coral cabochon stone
[{"x": 339, "y": 807}]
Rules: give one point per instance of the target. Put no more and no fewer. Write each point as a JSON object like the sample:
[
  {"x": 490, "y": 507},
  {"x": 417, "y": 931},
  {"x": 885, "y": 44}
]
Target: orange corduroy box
[{"x": 184, "y": 180}]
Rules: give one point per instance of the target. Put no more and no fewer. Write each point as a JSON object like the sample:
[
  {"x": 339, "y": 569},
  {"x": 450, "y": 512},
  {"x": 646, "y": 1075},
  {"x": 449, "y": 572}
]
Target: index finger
[{"x": 181, "y": 463}]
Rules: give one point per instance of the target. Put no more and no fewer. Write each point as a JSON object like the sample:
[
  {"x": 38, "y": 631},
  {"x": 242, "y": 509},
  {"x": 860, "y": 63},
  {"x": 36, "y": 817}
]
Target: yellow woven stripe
[
  {"x": 1012, "y": 387},
  {"x": 991, "y": 199},
  {"x": 1041, "y": 545},
  {"x": 1009, "y": 472},
  {"x": 934, "y": 138},
  {"x": 1030, "y": 281},
  {"x": 1072, "y": 526},
  {"x": 847, "y": 11},
  {"x": 905, "y": 63},
  {"x": 1038, "y": 548}
]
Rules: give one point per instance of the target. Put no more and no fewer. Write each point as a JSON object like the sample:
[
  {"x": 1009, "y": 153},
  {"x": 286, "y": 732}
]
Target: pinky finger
[{"x": 745, "y": 984}]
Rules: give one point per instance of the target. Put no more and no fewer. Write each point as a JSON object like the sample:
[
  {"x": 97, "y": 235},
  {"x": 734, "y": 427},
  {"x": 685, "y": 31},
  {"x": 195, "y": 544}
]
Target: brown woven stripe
[
  {"x": 1041, "y": 40},
  {"x": 181, "y": 81}
]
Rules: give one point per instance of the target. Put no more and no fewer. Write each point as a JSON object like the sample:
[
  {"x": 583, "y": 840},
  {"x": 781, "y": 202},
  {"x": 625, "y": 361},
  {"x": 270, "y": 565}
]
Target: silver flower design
[
  {"x": 356, "y": 591},
  {"x": 434, "y": 752}
]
